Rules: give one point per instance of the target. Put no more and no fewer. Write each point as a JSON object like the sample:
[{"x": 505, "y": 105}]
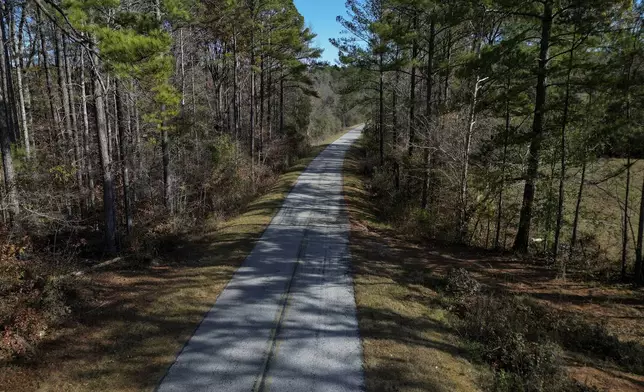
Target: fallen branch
[{"x": 97, "y": 266}]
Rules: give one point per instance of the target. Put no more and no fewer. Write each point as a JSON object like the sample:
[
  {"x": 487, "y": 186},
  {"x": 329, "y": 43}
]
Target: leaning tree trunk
[
  {"x": 525, "y": 219},
  {"x": 575, "y": 223},
  {"x": 466, "y": 161},
  {"x": 580, "y": 194}
]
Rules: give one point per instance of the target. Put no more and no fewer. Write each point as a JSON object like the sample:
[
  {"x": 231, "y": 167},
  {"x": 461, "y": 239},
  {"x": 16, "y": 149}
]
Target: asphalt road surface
[{"x": 287, "y": 319}]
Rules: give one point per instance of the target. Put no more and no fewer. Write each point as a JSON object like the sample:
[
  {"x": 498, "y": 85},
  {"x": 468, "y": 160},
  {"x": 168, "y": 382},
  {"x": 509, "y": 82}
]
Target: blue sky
[{"x": 320, "y": 16}]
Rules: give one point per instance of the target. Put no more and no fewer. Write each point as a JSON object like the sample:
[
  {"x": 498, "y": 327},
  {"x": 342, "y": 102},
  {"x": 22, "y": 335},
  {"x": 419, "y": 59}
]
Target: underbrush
[
  {"x": 209, "y": 197},
  {"x": 38, "y": 289},
  {"x": 396, "y": 188},
  {"x": 35, "y": 298},
  {"x": 524, "y": 342}
]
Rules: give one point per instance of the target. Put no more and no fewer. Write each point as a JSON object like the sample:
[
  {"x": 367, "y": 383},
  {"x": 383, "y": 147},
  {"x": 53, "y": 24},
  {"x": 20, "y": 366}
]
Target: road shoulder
[{"x": 407, "y": 342}]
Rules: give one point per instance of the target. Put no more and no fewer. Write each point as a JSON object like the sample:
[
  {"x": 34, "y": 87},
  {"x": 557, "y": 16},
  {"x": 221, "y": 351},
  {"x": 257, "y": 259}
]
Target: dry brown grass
[
  {"x": 407, "y": 341},
  {"x": 141, "y": 316},
  {"x": 409, "y": 344}
]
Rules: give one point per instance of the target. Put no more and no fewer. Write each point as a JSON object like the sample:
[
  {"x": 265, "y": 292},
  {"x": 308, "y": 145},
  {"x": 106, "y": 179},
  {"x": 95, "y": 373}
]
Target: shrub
[
  {"x": 522, "y": 339},
  {"x": 500, "y": 327},
  {"x": 33, "y": 300},
  {"x": 576, "y": 334},
  {"x": 461, "y": 283}
]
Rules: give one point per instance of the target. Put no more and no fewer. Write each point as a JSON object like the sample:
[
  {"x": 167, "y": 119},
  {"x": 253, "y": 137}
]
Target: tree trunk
[
  {"x": 562, "y": 174},
  {"x": 62, "y": 86},
  {"x": 7, "y": 78},
  {"x": 626, "y": 220},
  {"x": 525, "y": 219},
  {"x": 124, "y": 151},
  {"x": 9, "y": 174},
  {"x": 183, "y": 72},
  {"x": 448, "y": 57},
  {"x": 236, "y": 99},
  {"x": 506, "y": 136},
  {"x": 193, "y": 93},
  {"x": 428, "y": 114},
  {"x": 109, "y": 205},
  {"x": 639, "y": 279},
  {"x": 269, "y": 100},
  {"x": 252, "y": 109},
  {"x": 466, "y": 160},
  {"x": 575, "y": 223},
  {"x": 50, "y": 89},
  {"x": 6, "y": 132},
  {"x": 381, "y": 121},
  {"x": 412, "y": 93},
  {"x": 282, "y": 105},
  {"x": 394, "y": 120},
  {"x": 86, "y": 137},
  {"x": 165, "y": 143},
  {"x": 78, "y": 162},
  {"x": 262, "y": 88},
  {"x": 165, "y": 152},
  {"x": 21, "y": 86}
]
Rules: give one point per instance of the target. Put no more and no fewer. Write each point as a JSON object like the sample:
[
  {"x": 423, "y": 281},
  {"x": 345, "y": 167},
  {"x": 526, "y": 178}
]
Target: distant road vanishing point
[{"x": 287, "y": 319}]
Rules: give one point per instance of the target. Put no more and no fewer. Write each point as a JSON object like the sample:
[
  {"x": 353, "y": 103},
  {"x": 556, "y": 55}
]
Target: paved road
[{"x": 287, "y": 319}]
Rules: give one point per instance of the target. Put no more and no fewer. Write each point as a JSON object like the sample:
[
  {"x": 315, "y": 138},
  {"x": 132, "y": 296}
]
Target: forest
[
  {"x": 497, "y": 193},
  {"x": 494, "y": 202},
  {"x": 119, "y": 113},
  {"x": 125, "y": 123},
  {"x": 506, "y": 124}
]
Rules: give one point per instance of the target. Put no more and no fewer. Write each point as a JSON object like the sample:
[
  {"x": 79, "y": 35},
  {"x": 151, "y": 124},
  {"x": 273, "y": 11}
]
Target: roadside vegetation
[
  {"x": 118, "y": 328},
  {"x": 507, "y": 125},
  {"x": 126, "y": 128},
  {"x": 496, "y": 199},
  {"x": 441, "y": 317}
]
